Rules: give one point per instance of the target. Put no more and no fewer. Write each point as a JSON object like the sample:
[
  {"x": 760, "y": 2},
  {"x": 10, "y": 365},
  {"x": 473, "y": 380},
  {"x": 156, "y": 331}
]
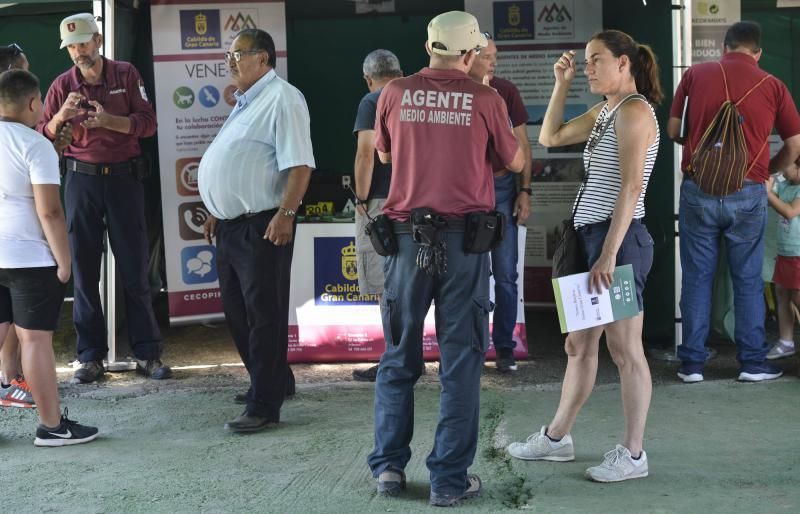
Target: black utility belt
[
  {"x": 138, "y": 166},
  {"x": 87, "y": 168},
  {"x": 483, "y": 231}
]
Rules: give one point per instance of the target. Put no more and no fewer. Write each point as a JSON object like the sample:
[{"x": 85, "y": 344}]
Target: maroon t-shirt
[
  {"x": 769, "y": 105},
  {"x": 440, "y": 127},
  {"x": 120, "y": 93},
  {"x": 516, "y": 110}
]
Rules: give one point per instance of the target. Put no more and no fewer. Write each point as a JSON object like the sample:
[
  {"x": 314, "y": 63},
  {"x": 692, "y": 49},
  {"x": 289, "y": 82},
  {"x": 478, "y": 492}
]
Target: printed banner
[
  {"x": 329, "y": 320},
  {"x": 530, "y": 36},
  {"x": 194, "y": 96},
  {"x": 578, "y": 308},
  {"x": 710, "y": 21}
]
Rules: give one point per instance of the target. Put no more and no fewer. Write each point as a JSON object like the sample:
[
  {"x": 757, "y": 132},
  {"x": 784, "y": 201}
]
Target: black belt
[
  {"x": 249, "y": 215},
  {"x": 86, "y": 168},
  {"x": 453, "y": 225}
]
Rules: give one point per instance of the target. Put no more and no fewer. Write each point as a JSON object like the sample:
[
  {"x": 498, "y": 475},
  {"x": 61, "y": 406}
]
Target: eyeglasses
[
  {"x": 237, "y": 55},
  {"x": 487, "y": 35},
  {"x": 16, "y": 49}
]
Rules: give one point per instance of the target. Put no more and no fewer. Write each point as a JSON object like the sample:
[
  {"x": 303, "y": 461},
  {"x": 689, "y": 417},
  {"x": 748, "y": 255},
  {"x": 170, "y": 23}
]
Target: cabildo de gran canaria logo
[
  {"x": 336, "y": 273},
  {"x": 200, "y": 29}
]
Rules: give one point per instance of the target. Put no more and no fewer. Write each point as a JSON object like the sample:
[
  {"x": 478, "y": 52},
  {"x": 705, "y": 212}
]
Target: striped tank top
[{"x": 602, "y": 188}]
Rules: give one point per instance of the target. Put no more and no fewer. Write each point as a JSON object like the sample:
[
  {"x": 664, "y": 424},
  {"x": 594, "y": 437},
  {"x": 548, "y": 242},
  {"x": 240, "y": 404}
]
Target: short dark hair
[
  {"x": 261, "y": 40},
  {"x": 744, "y": 33},
  {"x": 16, "y": 86},
  {"x": 10, "y": 57}
]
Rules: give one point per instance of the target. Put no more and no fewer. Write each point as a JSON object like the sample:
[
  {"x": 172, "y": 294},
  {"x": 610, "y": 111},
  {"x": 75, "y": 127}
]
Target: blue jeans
[
  {"x": 462, "y": 330},
  {"x": 740, "y": 218},
  {"x": 504, "y": 265}
]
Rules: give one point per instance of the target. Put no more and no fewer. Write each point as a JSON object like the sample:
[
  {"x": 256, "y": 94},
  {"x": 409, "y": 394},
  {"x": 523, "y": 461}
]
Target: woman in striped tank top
[{"x": 622, "y": 137}]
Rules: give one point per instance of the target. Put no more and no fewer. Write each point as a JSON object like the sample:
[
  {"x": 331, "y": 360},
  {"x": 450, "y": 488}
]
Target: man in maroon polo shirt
[
  {"x": 107, "y": 106},
  {"x": 740, "y": 217},
  {"x": 512, "y": 200},
  {"x": 438, "y": 128}
]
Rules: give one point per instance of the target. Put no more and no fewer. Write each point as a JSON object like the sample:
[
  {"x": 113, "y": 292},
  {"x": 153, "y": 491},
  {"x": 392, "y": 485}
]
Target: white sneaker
[
  {"x": 780, "y": 350},
  {"x": 618, "y": 465},
  {"x": 540, "y": 447}
]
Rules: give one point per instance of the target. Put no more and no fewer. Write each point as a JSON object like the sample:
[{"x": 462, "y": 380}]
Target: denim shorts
[
  {"x": 31, "y": 297},
  {"x": 636, "y": 249}
]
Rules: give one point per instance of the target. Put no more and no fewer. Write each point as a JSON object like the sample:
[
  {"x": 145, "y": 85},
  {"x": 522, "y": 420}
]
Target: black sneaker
[
  {"x": 504, "y": 362},
  {"x": 67, "y": 433},
  {"x": 89, "y": 372},
  {"x": 153, "y": 368},
  {"x": 391, "y": 482},
  {"x": 366, "y": 375}
]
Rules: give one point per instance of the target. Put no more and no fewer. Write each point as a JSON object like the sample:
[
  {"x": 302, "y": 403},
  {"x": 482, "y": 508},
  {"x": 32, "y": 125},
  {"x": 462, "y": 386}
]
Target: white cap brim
[{"x": 76, "y": 40}]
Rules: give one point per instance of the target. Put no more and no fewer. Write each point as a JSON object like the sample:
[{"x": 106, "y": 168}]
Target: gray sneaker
[
  {"x": 540, "y": 447},
  {"x": 391, "y": 482},
  {"x": 89, "y": 372},
  {"x": 781, "y": 350},
  {"x": 473, "y": 490},
  {"x": 618, "y": 465}
]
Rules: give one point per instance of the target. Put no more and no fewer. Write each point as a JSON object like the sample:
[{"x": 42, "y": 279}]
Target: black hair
[
  {"x": 261, "y": 40},
  {"x": 644, "y": 66},
  {"x": 744, "y": 33},
  {"x": 17, "y": 86},
  {"x": 10, "y": 57}
]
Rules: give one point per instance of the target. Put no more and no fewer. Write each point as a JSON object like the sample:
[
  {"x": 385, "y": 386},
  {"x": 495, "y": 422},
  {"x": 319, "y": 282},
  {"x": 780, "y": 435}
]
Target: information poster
[
  {"x": 530, "y": 36},
  {"x": 194, "y": 96}
]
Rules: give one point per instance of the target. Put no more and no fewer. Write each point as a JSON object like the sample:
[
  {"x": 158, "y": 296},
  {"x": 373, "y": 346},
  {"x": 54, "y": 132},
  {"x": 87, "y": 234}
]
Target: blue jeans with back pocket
[
  {"x": 461, "y": 296},
  {"x": 740, "y": 218}
]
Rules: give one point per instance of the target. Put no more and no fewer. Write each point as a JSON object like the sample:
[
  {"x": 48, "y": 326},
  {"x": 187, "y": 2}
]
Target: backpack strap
[
  {"x": 725, "y": 82},
  {"x": 753, "y": 89}
]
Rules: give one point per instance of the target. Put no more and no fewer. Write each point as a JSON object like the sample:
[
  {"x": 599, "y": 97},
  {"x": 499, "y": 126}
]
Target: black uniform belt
[
  {"x": 248, "y": 215},
  {"x": 453, "y": 225},
  {"x": 86, "y": 168}
]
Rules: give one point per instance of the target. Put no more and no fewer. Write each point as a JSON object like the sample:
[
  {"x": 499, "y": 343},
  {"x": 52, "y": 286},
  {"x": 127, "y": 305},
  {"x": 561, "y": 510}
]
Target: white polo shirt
[
  {"x": 244, "y": 170},
  {"x": 26, "y": 158}
]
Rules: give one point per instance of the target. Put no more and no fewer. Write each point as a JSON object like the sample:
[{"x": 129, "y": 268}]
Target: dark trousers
[
  {"x": 115, "y": 202},
  {"x": 254, "y": 282}
]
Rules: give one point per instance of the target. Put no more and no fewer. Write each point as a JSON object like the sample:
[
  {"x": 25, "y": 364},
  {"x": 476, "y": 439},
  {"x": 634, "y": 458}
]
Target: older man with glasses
[{"x": 252, "y": 207}]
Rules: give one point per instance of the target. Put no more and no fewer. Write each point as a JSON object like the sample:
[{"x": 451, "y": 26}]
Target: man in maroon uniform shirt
[
  {"x": 106, "y": 103},
  {"x": 437, "y": 128}
]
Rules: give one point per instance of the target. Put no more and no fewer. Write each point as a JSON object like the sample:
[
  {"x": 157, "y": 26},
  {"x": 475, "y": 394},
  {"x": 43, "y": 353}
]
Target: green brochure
[{"x": 579, "y": 309}]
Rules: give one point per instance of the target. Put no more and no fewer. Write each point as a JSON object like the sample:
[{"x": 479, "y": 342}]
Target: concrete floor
[{"x": 718, "y": 446}]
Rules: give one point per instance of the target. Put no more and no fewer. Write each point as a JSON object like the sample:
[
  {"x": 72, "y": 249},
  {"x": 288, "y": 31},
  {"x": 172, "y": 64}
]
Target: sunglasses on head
[{"x": 16, "y": 49}]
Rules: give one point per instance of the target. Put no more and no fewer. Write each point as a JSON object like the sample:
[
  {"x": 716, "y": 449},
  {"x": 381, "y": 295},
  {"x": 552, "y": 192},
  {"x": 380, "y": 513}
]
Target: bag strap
[{"x": 609, "y": 121}]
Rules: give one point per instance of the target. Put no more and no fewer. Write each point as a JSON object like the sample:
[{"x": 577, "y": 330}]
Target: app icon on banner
[
  {"x": 200, "y": 29},
  {"x": 208, "y": 96},
  {"x": 191, "y": 217},
  {"x": 183, "y": 97},
  {"x": 228, "y": 94},
  {"x": 186, "y": 175},
  {"x": 199, "y": 264}
]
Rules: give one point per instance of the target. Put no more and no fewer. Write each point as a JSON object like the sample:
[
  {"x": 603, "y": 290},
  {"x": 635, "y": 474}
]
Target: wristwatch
[
  {"x": 289, "y": 213},
  {"x": 526, "y": 190}
]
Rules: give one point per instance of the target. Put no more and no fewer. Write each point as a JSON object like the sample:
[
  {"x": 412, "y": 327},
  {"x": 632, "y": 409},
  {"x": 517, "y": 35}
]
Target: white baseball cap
[
  {"x": 455, "y": 33},
  {"x": 78, "y": 28}
]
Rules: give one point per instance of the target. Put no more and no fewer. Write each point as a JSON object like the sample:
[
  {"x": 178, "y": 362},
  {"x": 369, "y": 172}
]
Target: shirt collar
[
  {"x": 109, "y": 77},
  {"x": 443, "y": 74},
  {"x": 245, "y": 97},
  {"x": 739, "y": 57}
]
